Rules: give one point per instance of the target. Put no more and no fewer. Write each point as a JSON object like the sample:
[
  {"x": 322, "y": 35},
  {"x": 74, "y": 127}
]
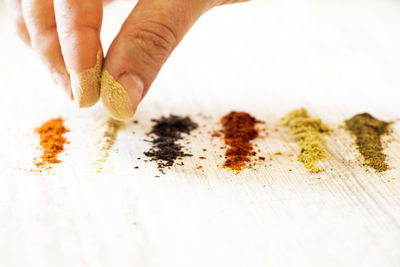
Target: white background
[{"x": 336, "y": 58}]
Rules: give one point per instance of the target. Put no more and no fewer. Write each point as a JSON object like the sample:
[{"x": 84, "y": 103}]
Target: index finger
[{"x": 78, "y": 26}]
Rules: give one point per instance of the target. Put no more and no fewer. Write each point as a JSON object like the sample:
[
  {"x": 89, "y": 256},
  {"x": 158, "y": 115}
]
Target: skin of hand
[{"x": 66, "y": 35}]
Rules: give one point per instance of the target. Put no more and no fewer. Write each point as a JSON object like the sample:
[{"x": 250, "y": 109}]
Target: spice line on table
[{"x": 237, "y": 131}]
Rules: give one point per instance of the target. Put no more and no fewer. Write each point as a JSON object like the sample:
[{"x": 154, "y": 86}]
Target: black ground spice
[
  {"x": 165, "y": 133},
  {"x": 368, "y": 132}
]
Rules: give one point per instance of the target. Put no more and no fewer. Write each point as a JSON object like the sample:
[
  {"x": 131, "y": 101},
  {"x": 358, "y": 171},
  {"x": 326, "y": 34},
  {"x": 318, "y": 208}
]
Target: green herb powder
[{"x": 368, "y": 132}]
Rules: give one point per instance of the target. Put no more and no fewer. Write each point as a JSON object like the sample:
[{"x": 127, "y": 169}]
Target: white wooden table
[{"x": 336, "y": 58}]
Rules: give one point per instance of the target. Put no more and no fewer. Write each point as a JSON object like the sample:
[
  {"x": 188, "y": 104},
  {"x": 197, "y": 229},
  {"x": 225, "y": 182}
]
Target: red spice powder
[
  {"x": 238, "y": 129},
  {"x": 52, "y": 142},
  {"x": 215, "y": 134}
]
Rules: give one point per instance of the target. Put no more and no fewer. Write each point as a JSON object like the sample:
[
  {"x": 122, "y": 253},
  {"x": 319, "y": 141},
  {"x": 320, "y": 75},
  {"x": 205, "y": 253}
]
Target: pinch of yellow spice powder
[
  {"x": 86, "y": 85},
  {"x": 308, "y": 134},
  {"x": 115, "y": 98}
]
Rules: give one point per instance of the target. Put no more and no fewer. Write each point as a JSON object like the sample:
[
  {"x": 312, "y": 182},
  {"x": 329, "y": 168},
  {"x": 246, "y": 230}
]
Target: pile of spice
[
  {"x": 308, "y": 134},
  {"x": 105, "y": 131},
  {"x": 368, "y": 132},
  {"x": 52, "y": 141},
  {"x": 238, "y": 130},
  {"x": 165, "y": 133}
]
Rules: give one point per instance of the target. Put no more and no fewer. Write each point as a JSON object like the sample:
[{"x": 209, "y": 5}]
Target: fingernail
[
  {"x": 76, "y": 88},
  {"x": 133, "y": 86},
  {"x": 123, "y": 96},
  {"x": 86, "y": 85},
  {"x": 62, "y": 81}
]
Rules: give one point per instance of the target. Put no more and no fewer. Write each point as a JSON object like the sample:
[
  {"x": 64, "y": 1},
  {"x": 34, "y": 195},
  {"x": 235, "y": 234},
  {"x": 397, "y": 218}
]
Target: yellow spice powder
[
  {"x": 308, "y": 134},
  {"x": 86, "y": 85},
  {"x": 105, "y": 131},
  {"x": 115, "y": 98}
]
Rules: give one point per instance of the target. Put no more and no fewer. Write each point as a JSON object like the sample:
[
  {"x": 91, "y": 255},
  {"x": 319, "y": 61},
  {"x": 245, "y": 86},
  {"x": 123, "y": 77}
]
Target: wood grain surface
[{"x": 336, "y": 58}]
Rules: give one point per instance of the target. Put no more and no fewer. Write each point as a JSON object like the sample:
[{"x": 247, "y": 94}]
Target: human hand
[{"x": 66, "y": 34}]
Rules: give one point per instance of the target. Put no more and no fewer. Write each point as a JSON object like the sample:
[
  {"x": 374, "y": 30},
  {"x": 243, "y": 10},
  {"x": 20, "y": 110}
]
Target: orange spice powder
[{"x": 52, "y": 142}]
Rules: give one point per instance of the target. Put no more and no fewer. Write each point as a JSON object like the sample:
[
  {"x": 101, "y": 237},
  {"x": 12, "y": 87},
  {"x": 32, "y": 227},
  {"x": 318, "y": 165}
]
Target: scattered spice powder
[
  {"x": 165, "y": 133},
  {"x": 238, "y": 130},
  {"x": 308, "y": 134},
  {"x": 215, "y": 134},
  {"x": 368, "y": 131},
  {"x": 52, "y": 141}
]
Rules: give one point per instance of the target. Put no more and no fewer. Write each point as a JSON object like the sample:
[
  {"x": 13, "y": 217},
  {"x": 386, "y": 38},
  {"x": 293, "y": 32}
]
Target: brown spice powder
[{"x": 52, "y": 142}]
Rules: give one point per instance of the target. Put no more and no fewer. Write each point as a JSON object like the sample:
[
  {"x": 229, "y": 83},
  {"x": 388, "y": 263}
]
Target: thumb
[{"x": 147, "y": 38}]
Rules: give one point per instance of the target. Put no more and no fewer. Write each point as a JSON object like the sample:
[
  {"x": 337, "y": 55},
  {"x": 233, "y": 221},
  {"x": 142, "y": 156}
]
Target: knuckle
[
  {"x": 68, "y": 32},
  {"x": 44, "y": 39},
  {"x": 154, "y": 40}
]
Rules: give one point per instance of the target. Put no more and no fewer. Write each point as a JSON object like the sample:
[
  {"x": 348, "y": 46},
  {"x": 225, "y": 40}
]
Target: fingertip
[
  {"x": 63, "y": 81},
  {"x": 78, "y": 27},
  {"x": 121, "y": 97},
  {"x": 134, "y": 87},
  {"x": 86, "y": 84}
]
